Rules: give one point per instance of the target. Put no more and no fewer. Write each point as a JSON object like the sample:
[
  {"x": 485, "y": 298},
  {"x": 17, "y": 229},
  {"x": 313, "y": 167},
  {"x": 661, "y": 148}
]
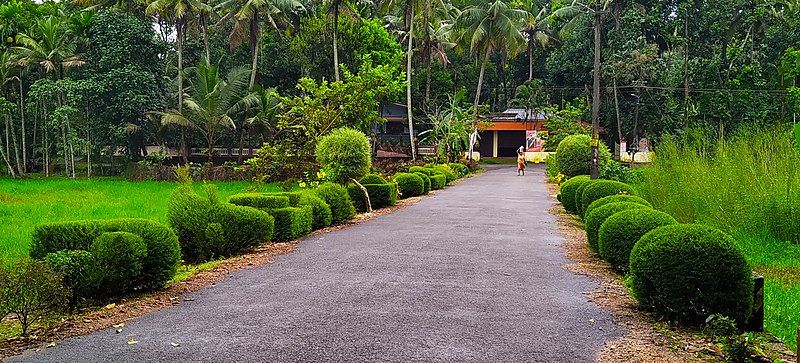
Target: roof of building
[{"x": 519, "y": 114}]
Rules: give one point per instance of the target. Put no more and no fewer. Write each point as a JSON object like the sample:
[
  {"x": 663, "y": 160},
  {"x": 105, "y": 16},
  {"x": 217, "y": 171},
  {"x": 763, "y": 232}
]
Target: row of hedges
[{"x": 680, "y": 272}]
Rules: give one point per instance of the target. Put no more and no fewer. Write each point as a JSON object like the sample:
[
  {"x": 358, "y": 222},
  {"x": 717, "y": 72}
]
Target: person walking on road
[{"x": 520, "y": 163}]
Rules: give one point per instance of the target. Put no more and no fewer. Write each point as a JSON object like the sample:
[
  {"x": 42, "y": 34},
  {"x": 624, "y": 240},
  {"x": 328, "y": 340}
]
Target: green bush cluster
[
  {"x": 409, "y": 184},
  {"x": 602, "y": 188},
  {"x": 420, "y": 169},
  {"x": 292, "y": 222},
  {"x": 616, "y": 199},
  {"x": 118, "y": 258},
  {"x": 687, "y": 272},
  {"x": 208, "y": 228},
  {"x": 460, "y": 169},
  {"x": 372, "y": 179},
  {"x": 260, "y": 200},
  {"x": 579, "y": 196},
  {"x": 320, "y": 210},
  {"x": 595, "y": 220},
  {"x": 438, "y": 181},
  {"x": 569, "y": 190},
  {"x": 445, "y": 170},
  {"x": 338, "y": 199},
  {"x": 380, "y": 195},
  {"x": 427, "y": 180},
  {"x": 574, "y": 154},
  {"x": 158, "y": 264},
  {"x": 620, "y": 232}
]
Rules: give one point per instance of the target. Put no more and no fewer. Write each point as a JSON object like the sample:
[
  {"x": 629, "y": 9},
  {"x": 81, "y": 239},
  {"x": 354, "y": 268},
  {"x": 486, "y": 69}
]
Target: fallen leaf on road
[
  {"x": 175, "y": 344},
  {"x": 53, "y": 344},
  {"x": 111, "y": 306},
  {"x": 132, "y": 341}
]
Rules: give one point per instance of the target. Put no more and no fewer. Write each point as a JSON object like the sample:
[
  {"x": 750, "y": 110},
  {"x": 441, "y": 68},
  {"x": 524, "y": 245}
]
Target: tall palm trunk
[
  {"x": 594, "y": 170},
  {"x": 530, "y": 60},
  {"x": 255, "y": 40},
  {"x": 179, "y": 28},
  {"x": 335, "y": 41},
  {"x": 204, "y": 27},
  {"x": 474, "y": 135},
  {"x": 24, "y": 134},
  {"x": 408, "y": 82}
]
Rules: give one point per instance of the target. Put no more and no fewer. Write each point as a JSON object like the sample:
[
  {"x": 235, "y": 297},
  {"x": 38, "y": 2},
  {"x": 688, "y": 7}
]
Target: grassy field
[
  {"x": 26, "y": 203},
  {"x": 748, "y": 186}
]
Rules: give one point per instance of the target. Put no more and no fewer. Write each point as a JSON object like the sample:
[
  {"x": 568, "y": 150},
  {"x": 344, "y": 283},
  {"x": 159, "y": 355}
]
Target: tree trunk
[
  {"x": 408, "y": 84},
  {"x": 686, "y": 72},
  {"x": 477, "y": 101},
  {"x": 368, "y": 203},
  {"x": 530, "y": 60},
  {"x": 241, "y": 146},
  {"x": 594, "y": 170},
  {"x": 184, "y": 149},
  {"x": 428, "y": 83},
  {"x": 255, "y": 39},
  {"x": 204, "y": 26},
  {"x": 616, "y": 108},
  {"x": 335, "y": 45},
  {"x": 24, "y": 133}
]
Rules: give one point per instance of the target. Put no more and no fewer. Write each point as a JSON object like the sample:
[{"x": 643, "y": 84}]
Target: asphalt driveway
[{"x": 472, "y": 273}]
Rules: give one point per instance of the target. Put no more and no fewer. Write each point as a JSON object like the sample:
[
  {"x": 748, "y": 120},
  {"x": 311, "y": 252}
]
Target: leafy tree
[
  {"x": 345, "y": 156},
  {"x": 451, "y": 127}
]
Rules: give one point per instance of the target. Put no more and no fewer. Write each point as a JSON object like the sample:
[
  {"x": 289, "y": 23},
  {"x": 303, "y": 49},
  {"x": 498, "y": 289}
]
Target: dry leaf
[
  {"x": 111, "y": 306},
  {"x": 175, "y": 344},
  {"x": 132, "y": 341},
  {"x": 52, "y": 344}
]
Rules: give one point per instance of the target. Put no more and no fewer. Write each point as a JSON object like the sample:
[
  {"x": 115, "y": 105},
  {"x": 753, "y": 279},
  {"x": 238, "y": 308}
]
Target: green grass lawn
[{"x": 26, "y": 203}]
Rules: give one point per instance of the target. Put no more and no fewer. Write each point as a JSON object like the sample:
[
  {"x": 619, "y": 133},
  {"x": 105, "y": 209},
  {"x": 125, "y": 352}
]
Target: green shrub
[
  {"x": 575, "y": 154},
  {"x": 381, "y": 195},
  {"x": 163, "y": 249},
  {"x": 321, "y": 211},
  {"x": 30, "y": 290},
  {"x": 602, "y": 188},
  {"x": 420, "y": 169},
  {"x": 410, "y": 185},
  {"x": 427, "y": 180},
  {"x": 338, "y": 199},
  {"x": 294, "y": 197},
  {"x": 76, "y": 268},
  {"x": 241, "y": 227},
  {"x": 568, "y": 191},
  {"x": 579, "y": 196},
  {"x": 372, "y": 179},
  {"x": 622, "y": 230},
  {"x": 616, "y": 199},
  {"x": 460, "y": 169},
  {"x": 344, "y": 154},
  {"x": 595, "y": 220},
  {"x": 292, "y": 222},
  {"x": 438, "y": 181},
  {"x": 260, "y": 200},
  {"x": 688, "y": 272},
  {"x": 445, "y": 170},
  {"x": 118, "y": 260}
]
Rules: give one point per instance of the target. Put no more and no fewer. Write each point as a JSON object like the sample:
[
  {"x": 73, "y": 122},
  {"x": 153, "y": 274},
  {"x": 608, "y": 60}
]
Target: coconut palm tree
[
  {"x": 536, "y": 28},
  {"x": 333, "y": 8},
  {"x": 248, "y": 15},
  {"x": 50, "y": 46},
  {"x": 211, "y": 102},
  {"x": 485, "y": 29},
  {"x": 435, "y": 40}
]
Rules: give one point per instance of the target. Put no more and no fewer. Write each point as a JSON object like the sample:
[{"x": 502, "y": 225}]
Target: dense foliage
[{"x": 620, "y": 232}]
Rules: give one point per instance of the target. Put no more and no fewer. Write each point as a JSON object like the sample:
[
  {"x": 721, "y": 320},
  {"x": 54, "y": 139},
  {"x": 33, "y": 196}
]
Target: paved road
[{"x": 473, "y": 273}]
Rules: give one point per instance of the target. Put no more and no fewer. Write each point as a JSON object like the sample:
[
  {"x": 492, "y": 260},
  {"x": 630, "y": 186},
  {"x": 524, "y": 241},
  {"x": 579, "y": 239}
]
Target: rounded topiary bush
[
  {"x": 574, "y": 155},
  {"x": 338, "y": 199},
  {"x": 445, "y": 170},
  {"x": 344, "y": 154},
  {"x": 426, "y": 179},
  {"x": 118, "y": 261},
  {"x": 568, "y": 190},
  {"x": 410, "y": 185},
  {"x": 372, "y": 179},
  {"x": 622, "y": 230},
  {"x": 420, "y": 169},
  {"x": 616, "y": 199},
  {"x": 579, "y": 196},
  {"x": 595, "y": 220},
  {"x": 686, "y": 272},
  {"x": 602, "y": 188},
  {"x": 260, "y": 200},
  {"x": 323, "y": 217},
  {"x": 438, "y": 181}
]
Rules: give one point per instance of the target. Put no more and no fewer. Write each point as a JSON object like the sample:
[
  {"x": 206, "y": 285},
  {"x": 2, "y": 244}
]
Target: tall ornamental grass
[{"x": 748, "y": 183}]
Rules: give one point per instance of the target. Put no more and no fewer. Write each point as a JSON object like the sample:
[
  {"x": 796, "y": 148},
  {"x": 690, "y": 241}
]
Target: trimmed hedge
[
  {"x": 595, "y": 220},
  {"x": 686, "y": 272},
  {"x": 158, "y": 266},
  {"x": 569, "y": 189},
  {"x": 602, "y": 188},
  {"x": 410, "y": 185},
  {"x": 76, "y": 268},
  {"x": 380, "y": 195},
  {"x": 616, "y": 199},
  {"x": 236, "y": 227},
  {"x": 292, "y": 222},
  {"x": 579, "y": 196},
  {"x": 460, "y": 169},
  {"x": 118, "y": 258},
  {"x": 419, "y": 169},
  {"x": 426, "y": 179},
  {"x": 372, "y": 179},
  {"x": 321, "y": 211},
  {"x": 438, "y": 182},
  {"x": 574, "y": 155},
  {"x": 260, "y": 200},
  {"x": 447, "y": 172},
  {"x": 622, "y": 230},
  {"x": 338, "y": 200}
]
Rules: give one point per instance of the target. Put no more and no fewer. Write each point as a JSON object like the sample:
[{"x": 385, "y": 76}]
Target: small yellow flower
[{"x": 302, "y": 184}]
